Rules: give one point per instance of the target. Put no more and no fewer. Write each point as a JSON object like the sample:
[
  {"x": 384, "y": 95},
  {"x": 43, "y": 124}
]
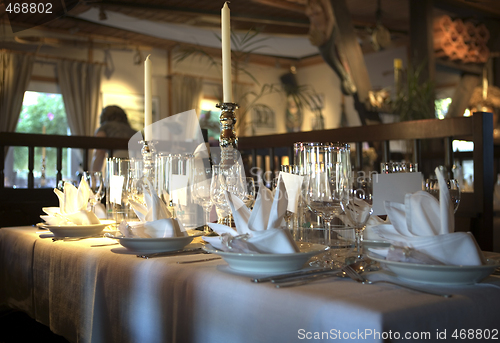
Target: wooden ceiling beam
[
  {"x": 194, "y": 11},
  {"x": 283, "y": 4}
]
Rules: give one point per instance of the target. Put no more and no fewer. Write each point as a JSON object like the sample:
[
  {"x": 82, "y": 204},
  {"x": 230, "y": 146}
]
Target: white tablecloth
[{"x": 103, "y": 294}]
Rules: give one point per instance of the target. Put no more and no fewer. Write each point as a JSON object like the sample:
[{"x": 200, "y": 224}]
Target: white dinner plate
[
  {"x": 439, "y": 274},
  {"x": 75, "y": 230},
  {"x": 150, "y": 245},
  {"x": 269, "y": 263}
]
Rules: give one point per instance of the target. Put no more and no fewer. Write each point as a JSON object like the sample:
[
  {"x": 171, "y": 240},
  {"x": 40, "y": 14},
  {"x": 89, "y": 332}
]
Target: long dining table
[{"x": 89, "y": 292}]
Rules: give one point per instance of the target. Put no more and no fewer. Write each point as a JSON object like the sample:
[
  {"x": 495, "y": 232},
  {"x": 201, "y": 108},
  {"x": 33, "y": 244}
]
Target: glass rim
[{"x": 319, "y": 144}]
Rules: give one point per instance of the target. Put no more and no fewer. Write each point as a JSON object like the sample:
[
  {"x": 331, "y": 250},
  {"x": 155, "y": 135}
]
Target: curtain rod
[{"x": 49, "y": 56}]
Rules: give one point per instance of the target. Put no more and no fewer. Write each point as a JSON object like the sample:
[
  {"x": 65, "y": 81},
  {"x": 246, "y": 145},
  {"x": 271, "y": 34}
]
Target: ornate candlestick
[
  {"x": 148, "y": 152},
  {"x": 228, "y": 141}
]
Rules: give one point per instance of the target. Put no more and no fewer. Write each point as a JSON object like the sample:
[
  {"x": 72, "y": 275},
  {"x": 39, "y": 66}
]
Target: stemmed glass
[
  {"x": 95, "y": 182},
  {"x": 224, "y": 178},
  {"x": 249, "y": 194},
  {"x": 327, "y": 193},
  {"x": 201, "y": 193},
  {"x": 432, "y": 186},
  {"x": 359, "y": 208}
]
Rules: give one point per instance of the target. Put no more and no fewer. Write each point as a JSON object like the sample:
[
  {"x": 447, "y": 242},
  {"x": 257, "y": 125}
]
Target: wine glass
[
  {"x": 249, "y": 194},
  {"x": 95, "y": 182},
  {"x": 201, "y": 193},
  {"x": 432, "y": 186},
  {"x": 327, "y": 194},
  {"x": 223, "y": 179},
  {"x": 359, "y": 208}
]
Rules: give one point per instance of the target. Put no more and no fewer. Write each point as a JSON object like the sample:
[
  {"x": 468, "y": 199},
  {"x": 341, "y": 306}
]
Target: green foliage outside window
[{"x": 39, "y": 110}]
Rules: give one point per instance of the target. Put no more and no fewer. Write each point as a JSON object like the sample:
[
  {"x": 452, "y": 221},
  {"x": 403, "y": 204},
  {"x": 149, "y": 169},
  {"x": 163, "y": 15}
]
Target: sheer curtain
[
  {"x": 80, "y": 84},
  {"x": 15, "y": 74},
  {"x": 186, "y": 93}
]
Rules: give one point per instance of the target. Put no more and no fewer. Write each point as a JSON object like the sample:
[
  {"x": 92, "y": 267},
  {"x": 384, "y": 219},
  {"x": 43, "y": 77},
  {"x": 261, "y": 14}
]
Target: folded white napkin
[
  {"x": 257, "y": 231},
  {"x": 73, "y": 204},
  {"x": 427, "y": 225},
  {"x": 156, "y": 219}
]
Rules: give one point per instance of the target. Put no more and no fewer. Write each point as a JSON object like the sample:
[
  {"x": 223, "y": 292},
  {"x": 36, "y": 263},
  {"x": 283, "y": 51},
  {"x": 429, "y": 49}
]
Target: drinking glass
[
  {"x": 95, "y": 182},
  {"x": 224, "y": 179},
  {"x": 289, "y": 216},
  {"x": 201, "y": 193},
  {"x": 249, "y": 193},
  {"x": 359, "y": 208},
  {"x": 174, "y": 177},
  {"x": 432, "y": 186},
  {"x": 327, "y": 194},
  {"x": 306, "y": 156}
]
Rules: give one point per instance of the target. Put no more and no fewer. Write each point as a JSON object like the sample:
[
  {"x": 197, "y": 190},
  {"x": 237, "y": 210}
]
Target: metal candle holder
[{"x": 228, "y": 141}]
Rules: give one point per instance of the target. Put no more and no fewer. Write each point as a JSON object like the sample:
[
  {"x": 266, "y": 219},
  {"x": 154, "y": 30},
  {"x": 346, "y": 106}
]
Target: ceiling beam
[
  {"x": 194, "y": 11},
  {"x": 283, "y": 4}
]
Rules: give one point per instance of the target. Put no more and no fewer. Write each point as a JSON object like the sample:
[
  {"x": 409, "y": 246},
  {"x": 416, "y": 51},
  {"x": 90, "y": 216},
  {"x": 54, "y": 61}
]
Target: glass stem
[
  {"x": 359, "y": 239},
  {"x": 328, "y": 232},
  {"x": 207, "y": 219}
]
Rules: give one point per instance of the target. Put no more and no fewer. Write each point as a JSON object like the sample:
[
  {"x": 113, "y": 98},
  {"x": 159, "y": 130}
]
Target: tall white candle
[
  {"x": 226, "y": 54},
  {"x": 148, "y": 103}
]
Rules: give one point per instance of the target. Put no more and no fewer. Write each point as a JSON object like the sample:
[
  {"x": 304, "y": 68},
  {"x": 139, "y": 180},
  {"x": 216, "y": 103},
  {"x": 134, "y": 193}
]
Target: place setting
[
  {"x": 156, "y": 233},
  {"x": 258, "y": 242},
  {"x": 75, "y": 218},
  {"x": 424, "y": 247}
]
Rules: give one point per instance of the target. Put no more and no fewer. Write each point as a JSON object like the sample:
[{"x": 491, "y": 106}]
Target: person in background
[{"x": 114, "y": 124}]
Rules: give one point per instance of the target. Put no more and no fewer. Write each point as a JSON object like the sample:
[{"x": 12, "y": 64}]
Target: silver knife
[
  {"x": 294, "y": 274},
  {"x": 174, "y": 253}
]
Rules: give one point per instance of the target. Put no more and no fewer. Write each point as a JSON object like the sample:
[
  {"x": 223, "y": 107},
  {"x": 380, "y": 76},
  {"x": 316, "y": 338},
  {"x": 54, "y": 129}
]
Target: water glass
[
  {"x": 174, "y": 177},
  {"x": 116, "y": 182}
]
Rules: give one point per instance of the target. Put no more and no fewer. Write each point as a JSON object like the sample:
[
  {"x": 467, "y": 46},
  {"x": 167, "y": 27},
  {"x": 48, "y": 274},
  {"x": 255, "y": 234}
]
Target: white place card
[
  {"x": 393, "y": 187},
  {"x": 116, "y": 188},
  {"x": 178, "y": 188}
]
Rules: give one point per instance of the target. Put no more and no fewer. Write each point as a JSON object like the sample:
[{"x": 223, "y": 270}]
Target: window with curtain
[{"x": 41, "y": 113}]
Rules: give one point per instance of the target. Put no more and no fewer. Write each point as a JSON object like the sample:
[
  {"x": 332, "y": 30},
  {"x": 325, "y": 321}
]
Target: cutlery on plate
[
  {"x": 295, "y": 274},
  {"x": 174, "y": 253},
  {"x": 356, "y": 277},
  {"x": 203, "y": 260}
]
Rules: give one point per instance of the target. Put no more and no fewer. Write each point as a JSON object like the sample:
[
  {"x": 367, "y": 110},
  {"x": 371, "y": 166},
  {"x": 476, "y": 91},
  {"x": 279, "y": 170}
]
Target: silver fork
[{"x": 356, "y": 277}]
